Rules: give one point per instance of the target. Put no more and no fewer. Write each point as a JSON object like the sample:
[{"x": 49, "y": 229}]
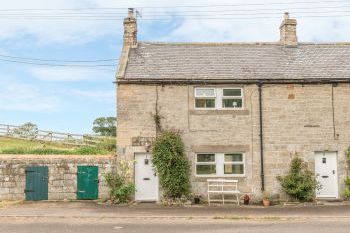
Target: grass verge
[{"x": 19, "y": 146}]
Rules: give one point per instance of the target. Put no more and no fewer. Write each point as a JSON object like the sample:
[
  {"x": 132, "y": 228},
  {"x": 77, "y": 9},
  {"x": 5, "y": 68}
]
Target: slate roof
[{"x": 243, "y": 61}]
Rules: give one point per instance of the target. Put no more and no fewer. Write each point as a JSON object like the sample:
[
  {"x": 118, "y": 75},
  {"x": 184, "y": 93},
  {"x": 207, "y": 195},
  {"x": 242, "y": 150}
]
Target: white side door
[
  {"x": 327, "y": 174},
  {"x": 146, "y": 180}
]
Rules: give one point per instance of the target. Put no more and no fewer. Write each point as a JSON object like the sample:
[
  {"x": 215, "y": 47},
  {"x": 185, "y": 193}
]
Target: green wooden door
[
  {"x": 36, "y": 183},
  {"x": 87, "y": 182}
]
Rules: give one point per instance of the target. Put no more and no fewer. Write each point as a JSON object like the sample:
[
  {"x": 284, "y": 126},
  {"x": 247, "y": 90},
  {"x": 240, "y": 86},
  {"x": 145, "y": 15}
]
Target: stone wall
[
  {"x": 296, "y": 119},
  {"x": 62, "y": 182}
]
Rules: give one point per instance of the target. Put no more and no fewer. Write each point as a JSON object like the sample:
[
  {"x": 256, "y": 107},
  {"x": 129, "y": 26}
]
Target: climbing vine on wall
[
  {"x": 171, "y": 164},
  {"x": 346, "y": 191}
]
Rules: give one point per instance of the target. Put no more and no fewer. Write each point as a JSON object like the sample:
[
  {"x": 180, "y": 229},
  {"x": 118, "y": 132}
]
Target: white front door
[
  {"x": 326, "y": 172},
  {"x": 146, "y": 181}
]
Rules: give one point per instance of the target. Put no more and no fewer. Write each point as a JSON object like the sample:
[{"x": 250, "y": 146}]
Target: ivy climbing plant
[
  {"x": 171, "y": 164},
  {"x": 346, "y": 191}
]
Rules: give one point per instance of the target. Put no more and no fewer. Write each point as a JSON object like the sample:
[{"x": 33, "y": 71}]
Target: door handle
[
  {"x": 325, "y": 176},
  {"x": 146, "y": 178},
  {"x": 333, "y": 172}
]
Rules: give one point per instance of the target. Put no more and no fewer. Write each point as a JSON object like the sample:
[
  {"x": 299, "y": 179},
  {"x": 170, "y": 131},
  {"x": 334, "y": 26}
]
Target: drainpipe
[{"x": 262, "y": 175}]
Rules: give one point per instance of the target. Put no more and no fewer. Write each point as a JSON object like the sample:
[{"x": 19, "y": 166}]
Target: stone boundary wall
[{"x": 62, "y": 182}]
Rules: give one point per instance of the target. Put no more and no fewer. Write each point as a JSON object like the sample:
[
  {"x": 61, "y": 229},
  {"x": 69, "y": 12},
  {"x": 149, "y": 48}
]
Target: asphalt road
[{"x": 92, "y": 225}]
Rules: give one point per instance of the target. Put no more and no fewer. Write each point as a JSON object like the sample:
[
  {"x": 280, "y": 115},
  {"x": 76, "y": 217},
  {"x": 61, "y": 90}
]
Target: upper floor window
[
  {"x": 218, "y": 98},
  {"x": 232, "y": 98},
  {"x": 205, "y": 97}
]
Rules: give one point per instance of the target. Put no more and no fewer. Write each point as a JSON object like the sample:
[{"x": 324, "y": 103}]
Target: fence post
[{"x": 7, "y": 130}]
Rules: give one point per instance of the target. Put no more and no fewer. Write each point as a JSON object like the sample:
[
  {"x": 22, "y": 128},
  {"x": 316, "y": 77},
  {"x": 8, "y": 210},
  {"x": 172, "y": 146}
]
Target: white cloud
[
  {"x": 24, "y": 97},
  {"x": 71, "y": 74},
  {"x": 104, "y": 96}
]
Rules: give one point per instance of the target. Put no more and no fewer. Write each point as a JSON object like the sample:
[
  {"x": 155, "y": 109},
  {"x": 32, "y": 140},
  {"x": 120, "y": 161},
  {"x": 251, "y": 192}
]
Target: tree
[
  {"x": 27, "y": 130},
  {"x": 105, "y": 126}
]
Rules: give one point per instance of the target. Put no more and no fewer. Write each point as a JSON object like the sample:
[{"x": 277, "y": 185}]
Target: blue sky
[{"x": 68, "y": 99}]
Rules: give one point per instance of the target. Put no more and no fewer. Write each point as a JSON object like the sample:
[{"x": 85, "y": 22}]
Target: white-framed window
[
  {"x": 220, "y": 164},
  {"x": 232, "y": 98},
  {"x": 218, "y": 98},
  {"x": 206, "y": 164},
  {"x": 205, "y": 98}
]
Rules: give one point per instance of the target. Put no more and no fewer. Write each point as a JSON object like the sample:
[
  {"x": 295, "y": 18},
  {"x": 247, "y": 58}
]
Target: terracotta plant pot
[
  {"x": 266, "y": 202},
  {"x": 246, "y": 199}
]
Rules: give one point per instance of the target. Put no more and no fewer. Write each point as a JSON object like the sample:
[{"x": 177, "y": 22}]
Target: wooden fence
[{"x": 13, "y": 131}]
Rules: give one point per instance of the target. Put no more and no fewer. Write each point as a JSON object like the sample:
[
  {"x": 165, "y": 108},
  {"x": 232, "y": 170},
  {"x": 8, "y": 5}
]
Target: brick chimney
[
  {"x": 288, "y": 31},
  {"x": 130, "y": 29}
]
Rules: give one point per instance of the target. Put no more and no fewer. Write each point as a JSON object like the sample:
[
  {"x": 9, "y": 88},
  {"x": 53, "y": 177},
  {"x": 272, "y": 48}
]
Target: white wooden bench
[{"x": 223, "y": 187}]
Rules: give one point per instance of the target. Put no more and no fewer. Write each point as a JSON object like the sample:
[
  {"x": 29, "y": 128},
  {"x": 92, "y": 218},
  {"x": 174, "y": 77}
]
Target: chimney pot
[
  {"x": 130, "y": 12},
  {"x": 286, "y": 15}
]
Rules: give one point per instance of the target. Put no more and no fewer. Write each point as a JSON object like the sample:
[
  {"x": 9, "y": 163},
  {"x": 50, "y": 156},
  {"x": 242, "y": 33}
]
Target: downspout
[{"x": 262, "y": 175}]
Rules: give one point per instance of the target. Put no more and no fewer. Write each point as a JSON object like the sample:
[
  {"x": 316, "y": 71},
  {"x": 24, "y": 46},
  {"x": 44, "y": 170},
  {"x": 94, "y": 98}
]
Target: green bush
[
  {"x": 347, "y": 181},
  {"x": 121, "y": 189},
  {"x": 300, "y": 183},
  {"x": 346, "y": 193},
  {"x": 89, "y": 150},
  {"x": 171, "y": 164}
]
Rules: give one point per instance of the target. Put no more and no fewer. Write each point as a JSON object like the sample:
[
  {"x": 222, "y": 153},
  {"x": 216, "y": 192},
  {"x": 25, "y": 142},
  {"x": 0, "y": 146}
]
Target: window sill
[
  {"x": 216, "y": 176},
  {"x": 219, "y": 112},
  {"x": 240, "y": 178}
]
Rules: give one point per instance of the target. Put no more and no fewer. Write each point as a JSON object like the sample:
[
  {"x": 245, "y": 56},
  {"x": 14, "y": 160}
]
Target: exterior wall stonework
[
  {"x": 62, "y": 181},
  {"x": 302, "y": 124}
]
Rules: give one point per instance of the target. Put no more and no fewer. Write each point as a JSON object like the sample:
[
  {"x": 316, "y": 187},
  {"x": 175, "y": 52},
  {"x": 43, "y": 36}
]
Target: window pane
[
  {"x": 210, "y": 103},
  {"x": 206, "y": 169},
  {"x": 232, "y": 92},
  {"x": 205, "y": 103},
  {"x": 232, "y": 103},
  {"x": 208, "y": 92},
  {"x": 234, "y": 169},
  {"x": 233, "y": 158},
  {"x": 206, "y": 158},
  {"x": 200, "y": 103}
]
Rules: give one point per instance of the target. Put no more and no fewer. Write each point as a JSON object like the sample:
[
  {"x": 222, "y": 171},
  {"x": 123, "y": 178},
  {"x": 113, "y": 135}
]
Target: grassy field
[{"x": 18, "y": 146}]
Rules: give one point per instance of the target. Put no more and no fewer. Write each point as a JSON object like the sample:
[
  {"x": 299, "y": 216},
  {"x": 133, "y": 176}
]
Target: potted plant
[
  {"x": 246, "y": 199},
  {"x": 266, "y": 199}
]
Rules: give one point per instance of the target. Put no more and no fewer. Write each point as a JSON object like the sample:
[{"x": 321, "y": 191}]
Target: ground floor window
[{"x": 220, "y": 164}]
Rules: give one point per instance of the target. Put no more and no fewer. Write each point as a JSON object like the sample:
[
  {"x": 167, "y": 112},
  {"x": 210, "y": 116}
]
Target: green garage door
[
  {"x": 36, "y": 183},
  {"x": 87, "y": 182}
]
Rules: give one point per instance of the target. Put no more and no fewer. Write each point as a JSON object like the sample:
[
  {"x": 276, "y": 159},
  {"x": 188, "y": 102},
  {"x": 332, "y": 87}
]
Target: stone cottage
[{"x": 244, "y": 109}]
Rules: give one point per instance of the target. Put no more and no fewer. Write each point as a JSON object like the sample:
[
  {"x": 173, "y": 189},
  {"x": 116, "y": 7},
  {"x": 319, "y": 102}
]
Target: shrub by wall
[
  {"x": 300, "y": 183},
  {"x": 171, "y": 164}
]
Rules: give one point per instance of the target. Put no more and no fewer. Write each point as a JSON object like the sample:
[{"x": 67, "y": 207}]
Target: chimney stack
[
  {"x": 288, "y": 31},
  {"x": 130, "y": 29}
]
